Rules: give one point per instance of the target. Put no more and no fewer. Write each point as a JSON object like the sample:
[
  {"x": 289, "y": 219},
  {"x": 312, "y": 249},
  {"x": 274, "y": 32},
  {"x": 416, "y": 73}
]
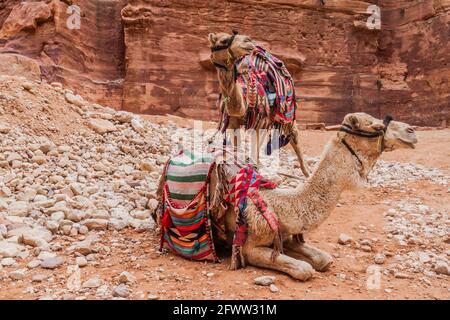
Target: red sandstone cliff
[{"x": 151, "y": 56}]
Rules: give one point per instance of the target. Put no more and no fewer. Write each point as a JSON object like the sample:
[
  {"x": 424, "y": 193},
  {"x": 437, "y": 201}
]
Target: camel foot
[
  {"x": 262, "y": 257},
  {"x": 318, "y": 259},
  {"x": 306, "y": 172}
]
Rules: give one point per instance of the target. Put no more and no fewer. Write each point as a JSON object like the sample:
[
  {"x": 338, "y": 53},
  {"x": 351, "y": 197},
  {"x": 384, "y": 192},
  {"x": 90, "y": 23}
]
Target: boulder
[{"x": 101, "y": 126}]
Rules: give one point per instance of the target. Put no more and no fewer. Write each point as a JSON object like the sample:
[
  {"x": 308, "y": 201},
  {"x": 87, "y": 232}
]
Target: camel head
[
  {"x": 394, "y": 134},
  {"x": 226, "y": 48}
]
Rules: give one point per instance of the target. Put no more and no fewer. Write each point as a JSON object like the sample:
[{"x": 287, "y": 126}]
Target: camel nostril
[{"x": 410, "y": 130}]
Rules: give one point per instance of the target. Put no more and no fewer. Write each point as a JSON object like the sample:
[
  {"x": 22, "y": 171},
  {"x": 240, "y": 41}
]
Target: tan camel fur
[
  {"x": 232, "y": 92},
  {"x": 304, "y": 208}
]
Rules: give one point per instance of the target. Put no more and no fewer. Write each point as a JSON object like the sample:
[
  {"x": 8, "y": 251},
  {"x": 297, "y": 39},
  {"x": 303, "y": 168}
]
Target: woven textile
[
  {"x": 243, "y": 186},
  {"x": 268, "y": 88},
  {"x": 185, "y": 206},
  {"x": 185, "y": 223}
]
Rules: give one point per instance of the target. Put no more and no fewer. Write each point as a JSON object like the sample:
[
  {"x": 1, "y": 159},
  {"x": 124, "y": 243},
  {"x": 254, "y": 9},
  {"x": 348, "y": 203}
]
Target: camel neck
[
  {"x": 336, "y": 172},
  {"x": 233, "y": 96}
]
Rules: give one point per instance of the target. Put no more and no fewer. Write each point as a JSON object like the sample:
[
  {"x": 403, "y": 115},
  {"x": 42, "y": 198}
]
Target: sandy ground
[{"x": 170, "y": 277}]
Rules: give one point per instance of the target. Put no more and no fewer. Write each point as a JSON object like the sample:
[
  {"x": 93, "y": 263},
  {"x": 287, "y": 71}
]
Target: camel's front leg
[
  {"x": 262, "y": 257},
  {"x": 319, "y": 259}
]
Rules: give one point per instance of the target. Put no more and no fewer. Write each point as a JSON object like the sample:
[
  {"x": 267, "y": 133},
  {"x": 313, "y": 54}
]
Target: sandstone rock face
[
  {"x": 152, "y": 56},
  {"x": 15, "y": 64},
  {"x": 89, "y": 59},
  {"x": 25, "y": 16}
]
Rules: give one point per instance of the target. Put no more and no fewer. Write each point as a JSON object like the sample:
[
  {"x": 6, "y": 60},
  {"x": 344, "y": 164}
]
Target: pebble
[
  {"x": 18, "y": 274},
  {"x": 39, "y": 277},
  {"x": 92, "y": 283},
  {"x": 442, "y": 267},
  {"x": 264, "y": 280},
  {"x": 344, "y": 239},
  {"x": 6, "y": 262},
  {"x": 81, "y": 262},
  {"x": 52, "y": 263},
  {"x": 121, "y": 291},
  {"x": 273, "y": 288},
  {"x": 34, "y": 264},
  {"x": 379, "y": 258},
  {"x": 126, "y": 277}
]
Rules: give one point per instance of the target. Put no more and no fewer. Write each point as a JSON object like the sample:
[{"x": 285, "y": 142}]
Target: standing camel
[{"x": 226, "y": 50}]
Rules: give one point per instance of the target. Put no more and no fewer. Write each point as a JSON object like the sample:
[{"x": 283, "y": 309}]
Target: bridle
[
  {"x": 227, "y": 47},
  {"x": 365, "y": 134}
]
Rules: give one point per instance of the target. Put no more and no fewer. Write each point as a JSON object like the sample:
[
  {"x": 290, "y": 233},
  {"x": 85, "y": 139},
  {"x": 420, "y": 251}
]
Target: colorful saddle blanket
[
  {"x": 186, "y": 206},
  {"x": 268, "y": 88},
  {"x": 185, "y": 218}
]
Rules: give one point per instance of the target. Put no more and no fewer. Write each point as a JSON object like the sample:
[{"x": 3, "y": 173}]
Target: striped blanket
[
  {"x": 185, "y": 221},
  {"x": 186, "y": 208}
]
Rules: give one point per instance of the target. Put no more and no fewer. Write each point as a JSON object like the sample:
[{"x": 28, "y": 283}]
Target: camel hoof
[
  {"x": 306, "y": 173},
  {"x": 303, "y": 272},
  {"x": 325, "y": 262}
]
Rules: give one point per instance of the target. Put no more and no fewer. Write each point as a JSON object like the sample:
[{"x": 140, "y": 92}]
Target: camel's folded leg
[
  {"x": 295, "y": 143},
  {"x": 262, "y": 257},
  {"x": 319, "y": 259}
]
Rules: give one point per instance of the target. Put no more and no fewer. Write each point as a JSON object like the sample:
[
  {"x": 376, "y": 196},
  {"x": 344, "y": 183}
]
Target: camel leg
[
  {"x": 262, "y": 257},
  {"x": 295, "y": 143},
  {"x": 319, "y": 259}
]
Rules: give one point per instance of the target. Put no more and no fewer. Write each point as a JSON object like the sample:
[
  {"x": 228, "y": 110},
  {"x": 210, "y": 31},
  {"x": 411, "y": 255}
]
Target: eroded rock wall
[
  {"x": 414, "y": 61},
  {"x": 89, "y": 59},
  {"x": 151, "y": 56}
]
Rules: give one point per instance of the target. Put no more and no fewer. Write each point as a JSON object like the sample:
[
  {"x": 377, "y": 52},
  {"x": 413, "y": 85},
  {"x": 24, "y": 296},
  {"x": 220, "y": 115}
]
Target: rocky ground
[{"x": 78, "y": 182}]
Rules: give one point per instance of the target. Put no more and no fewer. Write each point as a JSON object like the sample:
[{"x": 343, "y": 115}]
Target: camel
[
  {"x": 345, "y": 164},
  {"x": 226, "y": 49}
]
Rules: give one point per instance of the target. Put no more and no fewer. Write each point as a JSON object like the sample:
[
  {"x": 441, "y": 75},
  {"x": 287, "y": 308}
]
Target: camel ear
[
  {"x": 212, "y": 38},
  {"x": 353, "y": 121}
]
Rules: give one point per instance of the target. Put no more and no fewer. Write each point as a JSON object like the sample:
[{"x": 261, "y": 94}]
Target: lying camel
[{"x": 345, "y": 164}]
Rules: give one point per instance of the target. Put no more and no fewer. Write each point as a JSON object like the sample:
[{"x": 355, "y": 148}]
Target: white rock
[
  {"x": 37, "y": 237},
  {"x": 6, "y": 262},
  {"x": 52, "y": 263},
  {"x": 101, "y": 126},
  {"x": 19, "y": 208},
  {"x": 96, "y": 224},
  {"x": 34, "y": 264},
  {"x": 137, "y": 125},
  {"x": 273, "y": 288},
  {"x": 344, "y": 239},
  {"x": 442, "y": 267},
  {"x": 81, "y": 262},
  {"x": 18, "y": 274},
  {"x": 74, "y": 99},
  {"x": 264, "y": 280},
  {"x": 9, "y": 250},
  {"x": 92, "y": 283},
  {"x": 46, "y": 255},
  {"x": 121, "y": 291},
  {"x": 380, "y": 258},
  {"x": 4, "y": 128}
]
